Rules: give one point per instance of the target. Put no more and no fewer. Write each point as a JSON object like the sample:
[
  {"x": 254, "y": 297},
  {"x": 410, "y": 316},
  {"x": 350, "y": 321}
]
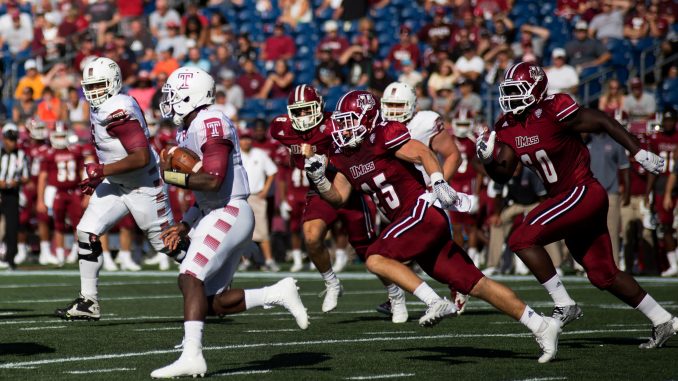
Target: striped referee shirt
[{"x": 13, "y": 166}]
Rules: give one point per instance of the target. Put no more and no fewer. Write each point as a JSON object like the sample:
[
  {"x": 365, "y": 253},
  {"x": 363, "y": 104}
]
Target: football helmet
[
  {"x": 186, "y": 89},
  {"x": 356, "y": 114},
  {"x": 59, "y": 138},
  {"x": 305, "y": 107},
  {"x": 398, "y": 102},
  {"x": 462, "y": 123},
  {"x": 524, "y": 84},
  {"x": 37, "y": 129},
  {"x": 101, "y": 79}
]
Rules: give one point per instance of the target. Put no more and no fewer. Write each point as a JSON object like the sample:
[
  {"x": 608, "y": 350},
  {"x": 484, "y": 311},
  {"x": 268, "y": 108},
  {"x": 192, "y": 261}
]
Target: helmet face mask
[
  {"x": 305, "y": 115},
  {"x": 347, "y": 129},
  {"x": 524, "y": 84}
]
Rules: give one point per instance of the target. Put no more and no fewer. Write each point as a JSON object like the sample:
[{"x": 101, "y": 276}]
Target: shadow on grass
[
  {"x": 24, "y": 349},
  {"x": 591, "y": 342},
  {"x": 305, "y": 360},
  {"x": 458, "y": 355},
  {"x": 9, "y": 314}
]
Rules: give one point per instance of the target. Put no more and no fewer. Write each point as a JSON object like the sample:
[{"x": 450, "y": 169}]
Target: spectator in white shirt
[
  {"x": 640, "y": 105},
  {"x": 221, "y": 103},
  {"x": 562, "y": 77},
  {"x": 16, "y": 30},
  {"x": 610, "y": 22},
  {"x": 409, "y": 74},
  {"x": 159, "y": 19},
  {"x": 470, "y": 65},
  {"x": 260, "y": 174}
]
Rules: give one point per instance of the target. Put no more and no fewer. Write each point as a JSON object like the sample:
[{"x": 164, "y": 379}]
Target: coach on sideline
[{"x": 13, "y": 173}]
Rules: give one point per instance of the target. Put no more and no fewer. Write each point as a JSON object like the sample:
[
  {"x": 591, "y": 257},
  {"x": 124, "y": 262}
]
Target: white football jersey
[
  {"x": 211, "y": 124},
  {"x": 109, "y": 149},
  {"x": 423, "y": 127}
]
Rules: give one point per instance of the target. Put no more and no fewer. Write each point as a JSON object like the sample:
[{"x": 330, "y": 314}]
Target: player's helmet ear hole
[{"x": 187, "y": 99}]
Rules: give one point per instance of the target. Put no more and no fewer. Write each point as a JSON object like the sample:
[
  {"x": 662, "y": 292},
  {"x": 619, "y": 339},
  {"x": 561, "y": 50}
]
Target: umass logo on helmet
[
  {"x": 365, "y": 101},
  {"x": 536, "y": 73}
]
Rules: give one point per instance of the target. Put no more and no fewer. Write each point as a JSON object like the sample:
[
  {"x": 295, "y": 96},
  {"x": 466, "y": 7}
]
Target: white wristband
[
  {"x": 323, "y": 185},
  {"x": 436, "y": 176}
]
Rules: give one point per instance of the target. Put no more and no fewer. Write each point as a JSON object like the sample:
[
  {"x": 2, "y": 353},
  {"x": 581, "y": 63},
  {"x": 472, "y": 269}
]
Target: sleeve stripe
[
  {"x": 393, "y": 142},
  {"x": 573, "y": 109},
  {"x": 566, "y": 109}
]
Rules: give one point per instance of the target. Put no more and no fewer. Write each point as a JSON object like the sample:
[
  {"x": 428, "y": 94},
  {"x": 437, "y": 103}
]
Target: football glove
[
  {"x": 443, "y": 191},
  {"x": 94, "y": 171},
  {"x": 485, "y": 146},
  {"x": 285, "y": 210},
  {"x": 651, "y": 162},
  {"x": 315, "y": 169}
]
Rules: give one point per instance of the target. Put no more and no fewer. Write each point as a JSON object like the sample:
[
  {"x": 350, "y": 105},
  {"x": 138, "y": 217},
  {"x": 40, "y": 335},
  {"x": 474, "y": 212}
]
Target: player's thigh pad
[
  {"x": 318, "y": 209},
  {"x": 359, "y": 218},
  {"x": 106, "y": 207},
  {"x": 216, "y": 242},
  {"x": 151, "y": 210}
]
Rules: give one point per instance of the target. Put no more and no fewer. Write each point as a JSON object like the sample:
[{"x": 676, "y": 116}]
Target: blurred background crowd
[{"x": 620, "y": 56}]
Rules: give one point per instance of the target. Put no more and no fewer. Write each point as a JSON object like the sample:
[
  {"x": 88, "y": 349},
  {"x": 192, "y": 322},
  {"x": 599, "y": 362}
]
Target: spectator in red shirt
[
  {"x": 250, "y": 80},
  {"x": 332, "y": 40},
  {"x": 437, "y": 33},
  {"x": 403, "y": 51},
  {"x": 86, "y": 50},
  {"x": 278, "y": 46}
]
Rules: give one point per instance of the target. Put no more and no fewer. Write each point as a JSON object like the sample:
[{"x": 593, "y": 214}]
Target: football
[{"x": 184, "y": 160}]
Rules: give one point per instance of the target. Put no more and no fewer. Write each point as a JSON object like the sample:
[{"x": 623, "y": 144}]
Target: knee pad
[{"x": 89, "y": 246}]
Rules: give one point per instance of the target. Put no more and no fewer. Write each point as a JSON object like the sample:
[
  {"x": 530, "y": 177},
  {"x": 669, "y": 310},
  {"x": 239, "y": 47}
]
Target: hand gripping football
[{"x": 184, "y": 160}]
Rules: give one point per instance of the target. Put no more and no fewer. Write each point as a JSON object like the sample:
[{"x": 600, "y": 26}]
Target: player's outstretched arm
[
  {"x": 443, "y": 145},
  {"x": 416, "y": 152}
]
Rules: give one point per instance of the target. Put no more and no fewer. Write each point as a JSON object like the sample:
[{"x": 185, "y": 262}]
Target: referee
[{"x": 13, "y": 173}]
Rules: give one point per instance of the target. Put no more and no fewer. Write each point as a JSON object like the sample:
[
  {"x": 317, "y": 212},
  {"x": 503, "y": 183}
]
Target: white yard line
[
  {"x": 12, "y": 365},
  {"x": 40, "y": 328},
  {"x": 241, "y": 373},
  {"x": 379, "y": 376},
  {"x": 88, "y": 371},
  {"x": 270, "y": 330},
  {"x": 59, "y": 300},
  {"x": 542, "y": 379},
  {"x": 178, "y": 327},
  {"x": 387, "y": 332},
  {"x": 120, "y": 283}
]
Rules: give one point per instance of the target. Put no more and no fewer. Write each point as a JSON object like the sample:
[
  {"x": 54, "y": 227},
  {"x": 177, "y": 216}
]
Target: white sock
[
  {"x": 89, "y": 277},
  {"x": 255, "y": 297},
  {"x": 671, "y": 257},
  {"x": 60, "y": 254},
  {"x": 296, "y": 256},
  {"x": 394, "y": 291},
  {"x": 270, "y": 261},
  {"x": 45, "y": 247},
  {"x": 558, "y": 292},
  {"x": 532, "y": 320},
  {"x": 193, "y": 336},
  {"x": 426, "y": 294},
  {"x": 125, "y": 255},
  {"x": 472, "y": 252},
  {"x": 330, "y": 276},
  {"x": 656, "y": 313},
  {"x": 21, "y": 248},
  {"x": 340, "y": 253}
]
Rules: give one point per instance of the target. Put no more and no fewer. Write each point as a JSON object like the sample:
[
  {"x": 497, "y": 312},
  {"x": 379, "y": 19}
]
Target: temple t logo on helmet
[{"x": 185, "y": 77}]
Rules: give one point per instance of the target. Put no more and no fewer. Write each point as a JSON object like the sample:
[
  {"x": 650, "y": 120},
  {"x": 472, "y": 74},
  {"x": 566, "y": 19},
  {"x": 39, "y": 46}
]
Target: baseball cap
[
  {"x": 30, "y": 64},
  {"x": 558, "y": 52},
  {"x": 226, "y": 74},
  {"x": 670, "y": 113},
  {"x": 10, "y": 130},
  {"x": 330, "y": 26},
  {"x": 581, "y": 25}
]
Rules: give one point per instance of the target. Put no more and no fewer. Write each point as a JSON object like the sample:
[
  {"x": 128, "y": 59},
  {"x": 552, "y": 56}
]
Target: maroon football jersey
[
  {"x": 297, "y": 182},
  {"x": 395, "y": 185},
  {"x": 282, "y": 131},
  {"x": 35, "y": 153},
  {"x": 544, "y": 145},
  {"x": 63, "y": 167},
  {"x": 638, "y": 174},
  {"x": 465, "y": 177},
  {"x": 663, "y": 145}
]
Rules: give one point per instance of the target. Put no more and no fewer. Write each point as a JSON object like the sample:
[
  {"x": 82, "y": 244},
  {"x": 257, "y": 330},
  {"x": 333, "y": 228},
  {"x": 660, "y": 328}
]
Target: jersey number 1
[{"x": 548, "y": 171}]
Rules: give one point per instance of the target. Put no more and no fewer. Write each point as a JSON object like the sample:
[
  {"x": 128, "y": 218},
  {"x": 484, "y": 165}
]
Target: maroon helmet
[
  {"x": 524, "y": 84},
  {"x": 305, "y": 107},
  {"x": 355, "y": 116}
]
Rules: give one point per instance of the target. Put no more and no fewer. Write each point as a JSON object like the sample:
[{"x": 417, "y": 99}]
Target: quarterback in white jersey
[
  {"x": 219, "y": 225},
  {"x": 125, "y": 180},
  {"x": 398, "y": 104}
]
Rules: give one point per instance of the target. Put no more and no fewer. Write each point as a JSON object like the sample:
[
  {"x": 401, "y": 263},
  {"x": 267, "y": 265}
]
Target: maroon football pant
[
  {"x": 579, "y": 216},
  {"x": 425, "y": 236},
  {"x": 358, "y": 216},
  {"x": 67, "y": 203}
]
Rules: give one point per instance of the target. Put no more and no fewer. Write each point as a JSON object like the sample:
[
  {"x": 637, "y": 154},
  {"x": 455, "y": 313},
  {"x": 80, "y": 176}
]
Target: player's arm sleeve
[
  {"x": 129, "y": 132},
  {"x": 215, "y": 154},
  {"x": 395, "y": 135},
  {"x": 565, "y": 106}
]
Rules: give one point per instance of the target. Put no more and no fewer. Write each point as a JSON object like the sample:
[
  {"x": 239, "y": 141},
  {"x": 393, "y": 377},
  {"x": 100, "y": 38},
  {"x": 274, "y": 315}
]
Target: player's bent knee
[
  {"x": 89, "y": 246},
  {"x": 602, "y": 279}
]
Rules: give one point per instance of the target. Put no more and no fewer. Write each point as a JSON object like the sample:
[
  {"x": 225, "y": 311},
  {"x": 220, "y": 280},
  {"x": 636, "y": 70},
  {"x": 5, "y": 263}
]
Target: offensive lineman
[
  {"x": 220, "y": 223},
  {"x": 125, "y": 180}
]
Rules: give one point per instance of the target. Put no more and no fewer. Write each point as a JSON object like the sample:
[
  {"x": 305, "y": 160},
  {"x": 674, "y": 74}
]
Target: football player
[
  {"x": 399, "y": 104},
  {"x": 303, "y": 128},
  {"x": 544, "y": 134},
  {"x": 378, "y": 158},
  {"x": 36, "y": 148},
  {"x": 125, "y": 180},
  {"x": 220, "y": 223},
  {"x": 60, "y": 168}
]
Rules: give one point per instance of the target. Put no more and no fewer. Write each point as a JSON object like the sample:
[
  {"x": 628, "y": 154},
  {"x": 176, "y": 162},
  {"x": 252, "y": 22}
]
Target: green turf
[{"x": 142, "y": 323}]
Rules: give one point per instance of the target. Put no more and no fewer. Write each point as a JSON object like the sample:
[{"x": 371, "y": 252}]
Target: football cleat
[
  {"x": 460, "y": 301},
  {"x": 185, "y": 366},
  {"x": 661, "y": 333},
  {"x": 285, "y": 294},
  {"x": 80, "y": 309},
  {"x": 547, "y": 338},
  {"x": 567, "y": 314},
  {"x": 332, "y": 292},
  {"x": 398, "y": 308},
  {"x": 385, "y": 308},
  {"x": 437, "y": 311}
]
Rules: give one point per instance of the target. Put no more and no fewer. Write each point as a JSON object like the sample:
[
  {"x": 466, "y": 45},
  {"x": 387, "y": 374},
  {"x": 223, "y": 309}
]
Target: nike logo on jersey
[
  {"x": 359, "y": 170},
  {"x": 525, "y": 141}
]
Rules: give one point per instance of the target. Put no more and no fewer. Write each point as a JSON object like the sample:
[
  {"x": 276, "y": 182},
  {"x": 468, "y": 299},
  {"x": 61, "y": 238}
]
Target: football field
[{"x": 142, "y": 322}]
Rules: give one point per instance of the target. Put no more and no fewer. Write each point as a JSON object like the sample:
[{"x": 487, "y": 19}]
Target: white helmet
[
  {"x": 60, "y": 137},
  {"x": 462, "y": 123},
  {"x": 101, "y": 79},
  {"x": 186, "y": 89},
  {"x": 398, "y": 102},
  {"x": 37, "y": 129}
]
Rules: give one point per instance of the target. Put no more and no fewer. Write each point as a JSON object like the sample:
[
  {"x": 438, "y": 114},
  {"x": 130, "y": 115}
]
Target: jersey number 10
[{"x": 548, "y": 171}]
